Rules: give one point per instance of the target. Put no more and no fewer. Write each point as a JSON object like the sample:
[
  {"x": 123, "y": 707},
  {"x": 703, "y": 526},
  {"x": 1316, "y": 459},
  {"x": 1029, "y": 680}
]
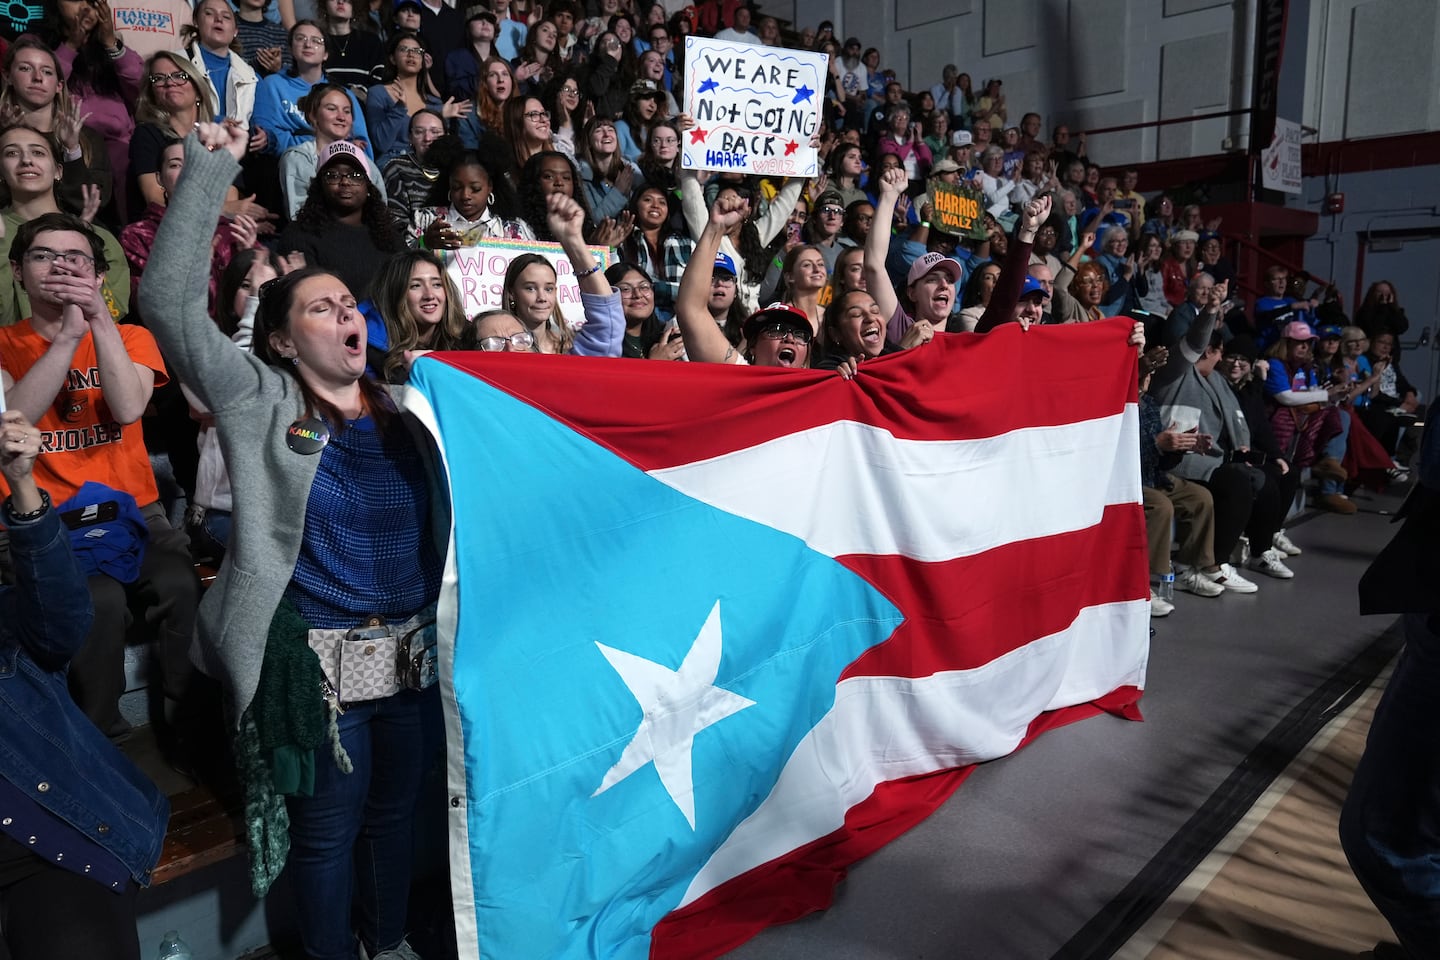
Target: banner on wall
[
  {"x": 1280, "y": 161},
  {"x": 755, "y": 108},
  {"x": 1270, "y": 17},
  {"x": 479, "y": 273}
]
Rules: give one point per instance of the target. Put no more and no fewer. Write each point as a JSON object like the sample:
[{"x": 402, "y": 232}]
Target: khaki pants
[{"x": 1189, "y": 505}]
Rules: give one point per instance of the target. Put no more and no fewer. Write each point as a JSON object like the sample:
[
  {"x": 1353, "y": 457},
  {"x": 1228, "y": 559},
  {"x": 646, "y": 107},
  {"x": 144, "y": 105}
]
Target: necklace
[{"x": 344, "y": 47}]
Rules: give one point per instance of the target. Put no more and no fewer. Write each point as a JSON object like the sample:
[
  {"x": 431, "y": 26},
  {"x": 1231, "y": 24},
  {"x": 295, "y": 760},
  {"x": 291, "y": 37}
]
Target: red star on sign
[
  {"x": 791, "y": 147},
  {"x": 697, "y": 136}
]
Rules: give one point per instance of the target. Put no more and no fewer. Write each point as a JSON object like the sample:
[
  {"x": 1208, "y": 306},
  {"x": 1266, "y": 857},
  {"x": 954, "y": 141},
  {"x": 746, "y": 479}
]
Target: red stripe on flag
[
  {"x": 958, "y": 387},
  {"x": 981, "y": 607},
  {"x": 804, "y": 880}
]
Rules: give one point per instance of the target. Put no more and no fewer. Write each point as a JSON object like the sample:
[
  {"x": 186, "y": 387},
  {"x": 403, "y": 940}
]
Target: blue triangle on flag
[{"x": 581, "y": 578}]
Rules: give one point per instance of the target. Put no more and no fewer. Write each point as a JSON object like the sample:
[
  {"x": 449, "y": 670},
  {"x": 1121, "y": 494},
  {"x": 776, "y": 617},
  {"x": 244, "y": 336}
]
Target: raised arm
[
  {"x": 603, "y": 334},
  {"x": 1016, "y": 267},
  {"x": 175, "y": 289},
  {"x": 705, "y": 342},
  {"x": 877, "y": 244}
]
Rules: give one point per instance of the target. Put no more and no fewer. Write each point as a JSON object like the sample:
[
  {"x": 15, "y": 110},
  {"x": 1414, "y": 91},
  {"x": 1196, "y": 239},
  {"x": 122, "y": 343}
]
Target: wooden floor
[{"x": 1279, "y": 888}]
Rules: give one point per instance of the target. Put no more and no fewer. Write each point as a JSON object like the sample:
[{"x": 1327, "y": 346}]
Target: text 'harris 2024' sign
[{"x": 755, "y": 107}]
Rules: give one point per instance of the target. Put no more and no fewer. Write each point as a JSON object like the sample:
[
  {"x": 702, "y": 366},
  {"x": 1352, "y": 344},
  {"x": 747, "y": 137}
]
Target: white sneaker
[
  {"x": 1272, "y": 564},
  {"x": 1285, "y": 545},
  {"x": 1229, "y": 579},
  {"x": 1200, "y": 584},
  {"x": 1159, "y": 607}
]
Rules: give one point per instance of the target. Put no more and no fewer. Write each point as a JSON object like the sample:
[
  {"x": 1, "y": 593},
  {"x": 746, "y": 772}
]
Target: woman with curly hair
[
  {"x": 419, "y": 308},
  {"x": 344, "y": 226},
  {"x": 1089, "y": 287}
]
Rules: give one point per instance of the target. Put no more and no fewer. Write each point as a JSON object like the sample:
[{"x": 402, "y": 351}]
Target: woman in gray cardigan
[{"x": 303, "y": 429}]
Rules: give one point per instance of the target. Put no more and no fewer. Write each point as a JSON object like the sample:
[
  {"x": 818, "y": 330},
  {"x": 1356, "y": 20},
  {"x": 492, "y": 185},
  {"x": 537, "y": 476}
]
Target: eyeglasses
[
  {"x": 570, "y": 91},
  {"x": 407, "y": 51},
  {"x": 721, "y": 279},
  {"x": 641, "y": 289},
  {"x": 829, "y": 211},
  {"x": 523, "y": 340},
  {"x": 779, "y": 330},
  {"x": 46, "y": 256},
  {"x": 335, "y": 175},
  {"x": 305, "y": 41},
  {"x": 536, "y": 114},
  {"x": 169, "y": 79}
]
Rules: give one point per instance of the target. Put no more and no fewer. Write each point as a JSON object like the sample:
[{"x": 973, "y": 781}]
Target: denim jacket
[{"x": 48, "y": 748}]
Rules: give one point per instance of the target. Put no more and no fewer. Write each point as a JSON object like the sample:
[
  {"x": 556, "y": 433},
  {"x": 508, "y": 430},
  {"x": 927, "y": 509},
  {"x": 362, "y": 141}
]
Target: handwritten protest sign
[
  {"x": 957, "y": 210},
  {"x": 755, "y": 107},
  {"x": 150, "y": 26},
  {"x": 479, "y": 273}
]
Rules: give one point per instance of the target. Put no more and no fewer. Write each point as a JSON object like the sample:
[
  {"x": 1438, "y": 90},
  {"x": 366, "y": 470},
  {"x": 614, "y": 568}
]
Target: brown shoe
[
  {"x": 1337, "y": 503},
  {"x": 1330, "y": 469}
]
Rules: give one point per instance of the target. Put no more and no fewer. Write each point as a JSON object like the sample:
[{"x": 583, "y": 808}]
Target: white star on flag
[{"x": 677, "y": 704}]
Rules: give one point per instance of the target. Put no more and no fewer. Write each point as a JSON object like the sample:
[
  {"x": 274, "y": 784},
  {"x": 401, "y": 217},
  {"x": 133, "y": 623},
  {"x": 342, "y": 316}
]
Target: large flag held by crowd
[{"x": 719, "y": 632}]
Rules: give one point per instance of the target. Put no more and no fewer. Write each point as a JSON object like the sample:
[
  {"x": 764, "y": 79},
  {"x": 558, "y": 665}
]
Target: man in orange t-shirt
[{"x": 85, "y": 381}]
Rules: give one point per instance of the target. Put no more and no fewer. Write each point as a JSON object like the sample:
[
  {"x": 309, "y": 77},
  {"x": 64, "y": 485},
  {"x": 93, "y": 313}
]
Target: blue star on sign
[
  {"x": 708, "y": 84},
  {"x": 804, "y": 93}
]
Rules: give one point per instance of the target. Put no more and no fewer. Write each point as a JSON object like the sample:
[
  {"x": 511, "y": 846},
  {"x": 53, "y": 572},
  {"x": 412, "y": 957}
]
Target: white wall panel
[{"x": 1009, "y": 25}]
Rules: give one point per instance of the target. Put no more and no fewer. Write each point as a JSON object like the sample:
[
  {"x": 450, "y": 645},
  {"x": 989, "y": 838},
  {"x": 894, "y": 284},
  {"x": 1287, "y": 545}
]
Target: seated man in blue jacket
[{"x": 81, "y": 827}]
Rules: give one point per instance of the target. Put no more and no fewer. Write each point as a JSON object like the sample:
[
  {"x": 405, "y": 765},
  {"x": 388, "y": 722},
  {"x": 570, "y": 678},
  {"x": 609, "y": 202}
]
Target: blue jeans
[
  {"x": 1336, "y": 448},
  {"x": 1390, "y": 825},
  {"x": 351, "y": 841}
]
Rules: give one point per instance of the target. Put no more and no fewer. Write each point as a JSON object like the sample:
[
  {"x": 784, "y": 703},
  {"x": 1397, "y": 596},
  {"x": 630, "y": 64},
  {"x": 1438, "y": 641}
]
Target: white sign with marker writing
[{"x": 755, "y": 107}]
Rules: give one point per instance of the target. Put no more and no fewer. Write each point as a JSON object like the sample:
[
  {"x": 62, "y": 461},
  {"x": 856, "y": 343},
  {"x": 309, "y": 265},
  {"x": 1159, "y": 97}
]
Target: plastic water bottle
[
  {"x": 173, "y": 948},
  {"x": 1166, "y": 589}
]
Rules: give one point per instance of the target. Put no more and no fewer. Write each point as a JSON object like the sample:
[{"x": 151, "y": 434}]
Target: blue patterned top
[{"x": 367, "y": 546}]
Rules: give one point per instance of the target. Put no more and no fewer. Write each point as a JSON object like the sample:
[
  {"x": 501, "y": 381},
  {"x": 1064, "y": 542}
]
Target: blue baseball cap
[
  {"x": 723, "y": 262},
  {"x": 1033, "y": 286}
]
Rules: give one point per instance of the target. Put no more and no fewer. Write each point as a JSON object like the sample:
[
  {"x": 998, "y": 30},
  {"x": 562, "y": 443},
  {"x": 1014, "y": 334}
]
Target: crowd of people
[{"x": 224, "y": 256}]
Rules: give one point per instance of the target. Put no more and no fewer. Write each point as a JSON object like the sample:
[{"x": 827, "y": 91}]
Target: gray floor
[{"x": 1032, "y": 846}]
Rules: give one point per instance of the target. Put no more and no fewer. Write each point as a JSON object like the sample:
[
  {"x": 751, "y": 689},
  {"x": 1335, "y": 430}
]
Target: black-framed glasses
[
  {"x": 337, "y": 175},
  {"x": 779, "y": 330},
  {"x": 523, "y": 340},
  {"x": 536, "y": 114},
  {"x": 71, "y": 258},
  {"x": 169, "y": 79}
]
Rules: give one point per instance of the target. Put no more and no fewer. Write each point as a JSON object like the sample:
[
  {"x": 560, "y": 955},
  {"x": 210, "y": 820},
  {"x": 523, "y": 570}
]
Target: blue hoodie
[{"x": 277, "y": 112}]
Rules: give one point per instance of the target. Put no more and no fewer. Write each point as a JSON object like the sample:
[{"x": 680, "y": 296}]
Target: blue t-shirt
[
  {"x": 1280, "y": 380},
  {"x": 219, "y": 70}
]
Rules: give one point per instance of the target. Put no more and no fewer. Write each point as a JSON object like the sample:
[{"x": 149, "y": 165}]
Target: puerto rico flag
[{"x": 711, "y": 634}]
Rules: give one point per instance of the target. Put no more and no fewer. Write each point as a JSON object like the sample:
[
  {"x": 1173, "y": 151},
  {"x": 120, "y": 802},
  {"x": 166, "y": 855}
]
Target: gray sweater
[
  {"x": 1189, "y": 399},
  {"x": 253, "y": 404}
]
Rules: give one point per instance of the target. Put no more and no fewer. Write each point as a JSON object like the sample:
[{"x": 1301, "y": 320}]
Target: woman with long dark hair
[
  {"x": 404, "y": 89},
  {"x": 344, "y": 226},
  {"x": 608, "y": 178},
  {"x": 657, "y": 246},
  {"x": 567, "y": 107},
  {"x": 660, "y": 163},
  {"x": 303, "y": 427}
]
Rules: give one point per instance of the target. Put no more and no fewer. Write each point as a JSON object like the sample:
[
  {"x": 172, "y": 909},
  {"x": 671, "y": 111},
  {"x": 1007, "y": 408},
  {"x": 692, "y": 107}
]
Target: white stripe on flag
[
  {"x": 848, "y": 488},
  {"x": 886, "y": 728}
]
